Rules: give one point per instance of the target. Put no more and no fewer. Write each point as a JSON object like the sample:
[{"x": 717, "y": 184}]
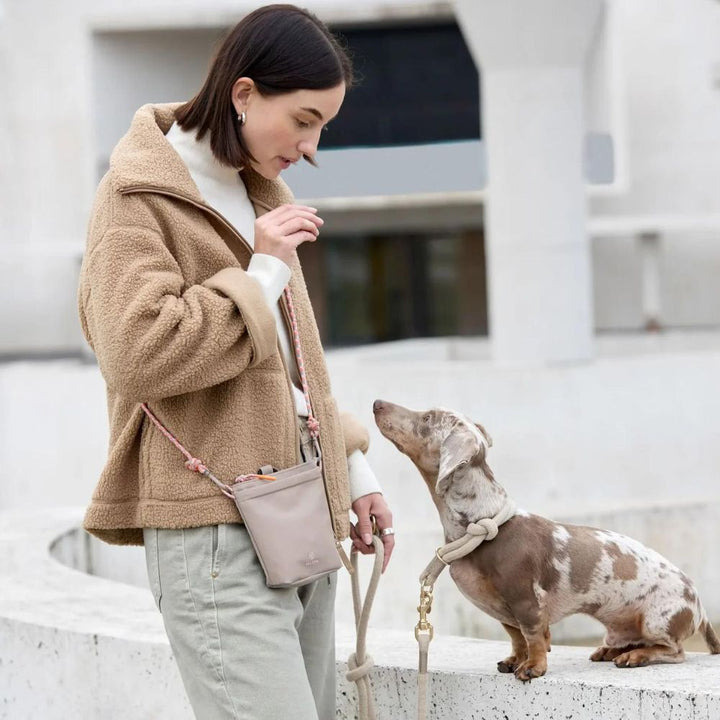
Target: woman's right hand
[{"x": 280, "y": 231}]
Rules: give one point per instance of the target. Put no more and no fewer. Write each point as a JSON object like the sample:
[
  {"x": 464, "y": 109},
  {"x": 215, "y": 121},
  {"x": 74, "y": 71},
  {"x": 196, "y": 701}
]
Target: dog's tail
[{"x": 711, "y": 638}]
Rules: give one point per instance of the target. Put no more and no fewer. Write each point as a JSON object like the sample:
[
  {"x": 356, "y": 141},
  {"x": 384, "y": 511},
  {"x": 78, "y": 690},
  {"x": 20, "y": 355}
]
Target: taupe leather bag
[
  {"x": 285, "y": 512},
  {"x": 289, "y": 524}
]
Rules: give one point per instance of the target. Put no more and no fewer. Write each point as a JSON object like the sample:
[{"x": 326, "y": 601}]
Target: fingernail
[{"x": 367, "y": 538}]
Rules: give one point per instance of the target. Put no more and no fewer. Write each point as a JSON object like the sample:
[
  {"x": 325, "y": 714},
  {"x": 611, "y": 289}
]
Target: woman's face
[{"x": 280, "y": 129}]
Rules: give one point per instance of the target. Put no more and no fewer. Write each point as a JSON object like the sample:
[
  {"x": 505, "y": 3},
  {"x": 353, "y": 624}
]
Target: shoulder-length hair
[{"x": 282, "y": 48}]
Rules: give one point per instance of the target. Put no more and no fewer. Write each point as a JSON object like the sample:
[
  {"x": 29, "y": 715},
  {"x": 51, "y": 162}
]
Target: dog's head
[{"x": 438, "y": 441}]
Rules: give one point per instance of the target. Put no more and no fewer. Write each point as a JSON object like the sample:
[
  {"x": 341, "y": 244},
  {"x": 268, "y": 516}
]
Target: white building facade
[{"x": 73, "y": 75}]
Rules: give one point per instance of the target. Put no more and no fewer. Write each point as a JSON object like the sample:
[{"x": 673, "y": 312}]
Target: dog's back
[{"x": 567, "y": 569}]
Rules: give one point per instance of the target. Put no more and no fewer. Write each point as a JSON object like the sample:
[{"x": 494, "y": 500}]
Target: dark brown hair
[{"x": 282, "y": 48}]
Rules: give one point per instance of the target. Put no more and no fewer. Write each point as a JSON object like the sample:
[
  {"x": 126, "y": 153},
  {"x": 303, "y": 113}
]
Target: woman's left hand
[{"x": 361, "y": 534}]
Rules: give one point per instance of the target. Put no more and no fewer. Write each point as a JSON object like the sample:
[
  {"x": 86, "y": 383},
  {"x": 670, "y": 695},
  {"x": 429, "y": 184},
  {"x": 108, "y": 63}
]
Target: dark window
[
  {"x": 376, "y": 288},
  {"x": 418, "y": 84}
]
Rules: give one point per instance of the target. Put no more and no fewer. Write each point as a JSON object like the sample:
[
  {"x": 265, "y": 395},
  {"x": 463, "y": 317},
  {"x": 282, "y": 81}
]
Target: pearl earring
[{"x": 242, "y": 117}]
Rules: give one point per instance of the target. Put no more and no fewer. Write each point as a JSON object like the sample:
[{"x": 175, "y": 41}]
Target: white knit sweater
[{"x": 223, "y": 189}]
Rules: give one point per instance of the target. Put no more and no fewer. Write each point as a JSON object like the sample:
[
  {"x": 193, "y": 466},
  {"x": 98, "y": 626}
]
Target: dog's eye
[{"x": 426, "y": 418}]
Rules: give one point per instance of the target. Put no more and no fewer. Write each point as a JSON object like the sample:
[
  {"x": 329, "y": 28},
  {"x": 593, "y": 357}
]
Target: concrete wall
[
  {"x": 668, "y": 58},
  {"x": 670, "y": 50},
  {"x": 72, "y": 645},
  {"x": 45, "y": 173},
  {"x": 131, "y": 67}
]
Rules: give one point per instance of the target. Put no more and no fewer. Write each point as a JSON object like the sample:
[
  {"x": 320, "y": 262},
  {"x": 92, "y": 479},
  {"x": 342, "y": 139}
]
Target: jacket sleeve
[
  {"x": 355, "y": 434},
  {"x": 153, "y": 334}
]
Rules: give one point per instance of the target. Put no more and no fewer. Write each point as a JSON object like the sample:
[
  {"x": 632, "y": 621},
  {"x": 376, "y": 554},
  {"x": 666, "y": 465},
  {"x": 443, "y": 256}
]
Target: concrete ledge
[
  {"x": 465, "y": 685},
  {"x": 74, "y": 645}
]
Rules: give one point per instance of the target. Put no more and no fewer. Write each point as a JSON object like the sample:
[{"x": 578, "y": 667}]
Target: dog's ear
[
  {"x": 485, "y": 433},
  {"x": 458, "y": 448}
]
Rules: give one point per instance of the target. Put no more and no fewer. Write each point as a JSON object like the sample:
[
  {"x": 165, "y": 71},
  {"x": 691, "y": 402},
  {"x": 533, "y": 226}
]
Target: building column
[{"x": 532, "y": 56}]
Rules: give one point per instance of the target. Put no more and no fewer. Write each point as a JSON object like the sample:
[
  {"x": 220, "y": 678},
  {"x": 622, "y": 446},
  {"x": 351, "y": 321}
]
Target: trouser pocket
[{"x": 217, "y": 545}]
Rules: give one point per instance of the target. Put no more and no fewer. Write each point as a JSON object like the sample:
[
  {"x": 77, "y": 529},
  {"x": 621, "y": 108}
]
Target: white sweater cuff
[
  {"x": 272, "y": 274},
  {"x": 362, "y": 478}
]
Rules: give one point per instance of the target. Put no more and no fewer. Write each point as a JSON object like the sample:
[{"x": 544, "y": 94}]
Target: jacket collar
[{"x": 145, "y": 159}]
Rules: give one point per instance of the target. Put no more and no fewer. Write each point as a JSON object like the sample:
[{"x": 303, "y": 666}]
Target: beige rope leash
[
  {"x": 359, "y": 663},
  {"x": 481, "y": 531}
]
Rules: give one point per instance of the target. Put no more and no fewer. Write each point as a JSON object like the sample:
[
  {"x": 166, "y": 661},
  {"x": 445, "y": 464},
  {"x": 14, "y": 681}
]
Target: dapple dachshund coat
[{"x": 536, "y": 571}]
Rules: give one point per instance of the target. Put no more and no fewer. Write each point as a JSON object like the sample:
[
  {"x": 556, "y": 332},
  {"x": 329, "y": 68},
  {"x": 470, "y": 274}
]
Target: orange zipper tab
[{"x": 245, "y": 478}]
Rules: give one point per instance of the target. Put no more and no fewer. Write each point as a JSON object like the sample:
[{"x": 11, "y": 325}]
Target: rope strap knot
[
  {"x": 196, "y": 465},
  {"x": 487, "y": 527},
  {"x": 358, "y": 671},
  {"x": 313, "y": 426}
]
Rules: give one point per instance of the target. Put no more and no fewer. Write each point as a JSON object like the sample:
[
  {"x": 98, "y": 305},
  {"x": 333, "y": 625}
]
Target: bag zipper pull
[{"x": 244, "y": 478}]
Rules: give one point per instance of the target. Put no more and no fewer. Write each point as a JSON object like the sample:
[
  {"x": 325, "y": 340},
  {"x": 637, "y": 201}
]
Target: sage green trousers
[{"x": 245, "y": 651}]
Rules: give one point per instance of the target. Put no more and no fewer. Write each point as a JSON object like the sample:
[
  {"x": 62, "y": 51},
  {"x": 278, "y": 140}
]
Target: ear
[
  {"x": 458, "y": 448},
  {"x": 485, "y": 434},
  {"x": 240, "y": 94}
]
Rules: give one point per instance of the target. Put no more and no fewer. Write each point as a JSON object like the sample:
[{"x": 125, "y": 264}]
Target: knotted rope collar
[{"x": 483, "y": 530}]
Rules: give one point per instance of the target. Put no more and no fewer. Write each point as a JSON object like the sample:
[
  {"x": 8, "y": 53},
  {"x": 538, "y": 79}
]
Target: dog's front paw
[
  {"x": 526, "y": 672},
  {"x": 508, "y": 665}
]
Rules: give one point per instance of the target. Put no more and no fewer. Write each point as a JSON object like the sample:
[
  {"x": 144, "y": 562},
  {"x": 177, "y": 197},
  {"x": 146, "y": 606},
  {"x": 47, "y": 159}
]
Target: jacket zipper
[
  {"x": 185, "y": 198},
  {"x": 231, "y": 228}
]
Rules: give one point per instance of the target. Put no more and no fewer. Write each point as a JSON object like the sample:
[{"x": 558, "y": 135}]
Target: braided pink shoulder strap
[{"x": 312, "y": 423}]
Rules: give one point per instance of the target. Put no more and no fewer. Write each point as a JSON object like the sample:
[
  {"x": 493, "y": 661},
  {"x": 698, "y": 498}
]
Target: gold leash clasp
[{"x": 424, "y": 626}]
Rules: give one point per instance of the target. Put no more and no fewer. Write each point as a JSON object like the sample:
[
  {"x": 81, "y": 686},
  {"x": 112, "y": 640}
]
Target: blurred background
[{"x": 522, "y": 221}]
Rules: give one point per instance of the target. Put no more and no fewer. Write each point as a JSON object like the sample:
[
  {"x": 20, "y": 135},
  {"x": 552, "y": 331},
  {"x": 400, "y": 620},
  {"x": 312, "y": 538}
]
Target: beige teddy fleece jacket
[{"x": 175, "y": 321}]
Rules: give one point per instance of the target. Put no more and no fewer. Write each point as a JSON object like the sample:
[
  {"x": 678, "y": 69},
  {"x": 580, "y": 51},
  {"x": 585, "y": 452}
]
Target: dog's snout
[{"x": 379, "y": 405}]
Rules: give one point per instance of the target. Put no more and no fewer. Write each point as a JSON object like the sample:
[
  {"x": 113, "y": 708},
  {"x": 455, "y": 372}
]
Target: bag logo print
[{"x": 312, "y": 559}]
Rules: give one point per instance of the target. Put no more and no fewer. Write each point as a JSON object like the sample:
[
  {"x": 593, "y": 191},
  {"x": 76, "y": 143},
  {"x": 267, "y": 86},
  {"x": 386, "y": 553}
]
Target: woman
[{"x": 192, "y": 239}]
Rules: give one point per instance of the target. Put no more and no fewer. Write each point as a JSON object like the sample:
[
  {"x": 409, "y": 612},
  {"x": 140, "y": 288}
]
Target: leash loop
[{"x": 360, "y": 663}]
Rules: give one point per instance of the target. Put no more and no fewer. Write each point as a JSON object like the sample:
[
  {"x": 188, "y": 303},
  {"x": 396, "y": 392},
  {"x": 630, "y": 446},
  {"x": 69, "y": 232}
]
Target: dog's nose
[{"x": 378, "y": 405}]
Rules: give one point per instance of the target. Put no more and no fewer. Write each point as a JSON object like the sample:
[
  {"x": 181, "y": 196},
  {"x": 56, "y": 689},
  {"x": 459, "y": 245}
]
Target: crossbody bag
[{"x": 286, "y": 512}]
